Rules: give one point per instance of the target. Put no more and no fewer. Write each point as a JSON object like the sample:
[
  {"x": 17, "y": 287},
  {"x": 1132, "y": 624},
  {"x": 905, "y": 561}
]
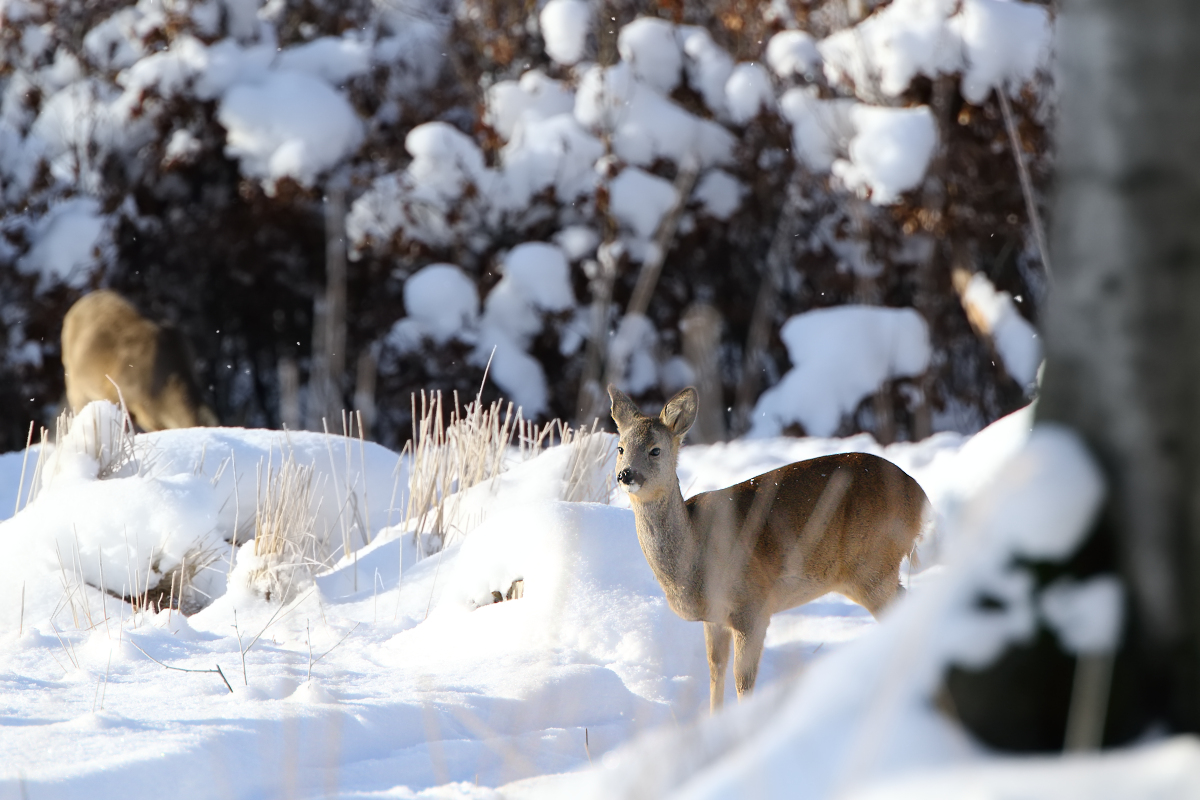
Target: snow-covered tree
[{"x": 1122, "y": 370}]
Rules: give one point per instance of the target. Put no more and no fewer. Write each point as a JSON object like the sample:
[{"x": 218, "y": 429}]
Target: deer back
[{"x": 104, "y": 337}]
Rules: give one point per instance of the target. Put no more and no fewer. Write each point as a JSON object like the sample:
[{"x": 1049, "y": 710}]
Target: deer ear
[
  {"x": 624, "y": 410},
  {"x": 680, "y": 412}
]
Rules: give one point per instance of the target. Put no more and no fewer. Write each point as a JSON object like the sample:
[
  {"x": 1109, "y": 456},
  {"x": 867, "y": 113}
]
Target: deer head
[{"x": 648, "y": 449}]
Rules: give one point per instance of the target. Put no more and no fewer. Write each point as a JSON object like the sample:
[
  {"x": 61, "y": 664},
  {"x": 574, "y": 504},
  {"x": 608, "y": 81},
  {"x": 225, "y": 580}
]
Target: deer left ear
[
  {"x": 624, "y": 410},
  {"x": 679, "y": 414}
]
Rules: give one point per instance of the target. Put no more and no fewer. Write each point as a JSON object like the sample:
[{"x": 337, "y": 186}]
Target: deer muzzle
[{"x": 630, "y": 480}]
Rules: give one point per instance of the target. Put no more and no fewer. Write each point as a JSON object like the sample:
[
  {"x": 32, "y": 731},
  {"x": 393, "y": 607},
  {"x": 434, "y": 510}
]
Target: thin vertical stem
[{"x": 1035, "y": 219}]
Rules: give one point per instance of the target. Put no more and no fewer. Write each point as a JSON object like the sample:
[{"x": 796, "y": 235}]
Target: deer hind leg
[
  {"x": 716, "y": 639},
  {"x": 747, "y": 650}
]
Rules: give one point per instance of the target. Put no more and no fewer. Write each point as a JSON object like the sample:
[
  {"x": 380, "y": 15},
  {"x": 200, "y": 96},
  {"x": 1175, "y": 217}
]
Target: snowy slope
[{"x": 389, "y": 676}]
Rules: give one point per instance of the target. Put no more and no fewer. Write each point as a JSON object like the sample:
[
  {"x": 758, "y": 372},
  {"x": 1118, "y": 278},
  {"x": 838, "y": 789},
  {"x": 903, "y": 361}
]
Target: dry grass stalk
[
  {"x": 285, "y": 538},
  {"x": 108, "y": 440},
  {"x": 473, "y": 448},
  {"x": 353, "y": 509},
  {"x": 589, "y": 476},
  {"x": 448, "y": 458},
  {"x": 177, "y": 588}
]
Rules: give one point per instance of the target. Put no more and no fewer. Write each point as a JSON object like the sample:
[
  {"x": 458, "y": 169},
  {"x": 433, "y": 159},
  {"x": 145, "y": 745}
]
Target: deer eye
[
  {"x": 656, "y": 452},
  {"x": 620, "y": 451}
]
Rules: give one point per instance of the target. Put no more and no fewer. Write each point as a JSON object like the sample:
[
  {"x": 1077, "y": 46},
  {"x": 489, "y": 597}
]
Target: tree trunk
[
  {"x": 327, "y": 376},
  {"x": 1123, "y": 363}
]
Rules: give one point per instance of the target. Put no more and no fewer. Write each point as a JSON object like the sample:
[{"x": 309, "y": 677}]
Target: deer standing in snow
[
  {"x": 107, "y": 344},
  {"x": 732, "y": 557}
]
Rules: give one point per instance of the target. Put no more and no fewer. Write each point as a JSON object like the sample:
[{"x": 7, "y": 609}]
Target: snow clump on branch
[
  {"x": 839, "y": 357},
  {"x": 565, "y": 26}
]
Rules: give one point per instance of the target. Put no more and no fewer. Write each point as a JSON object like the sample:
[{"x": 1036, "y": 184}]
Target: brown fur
[
  {"x": 732, "y": 557},
  {"x": 105, "y": 337}
]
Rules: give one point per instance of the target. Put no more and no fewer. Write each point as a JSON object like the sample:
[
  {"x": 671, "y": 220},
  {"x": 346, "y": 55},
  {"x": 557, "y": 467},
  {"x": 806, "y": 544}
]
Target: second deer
[
  {"x": 107, "y": 344},
  {"x": 733, "y": 557}
]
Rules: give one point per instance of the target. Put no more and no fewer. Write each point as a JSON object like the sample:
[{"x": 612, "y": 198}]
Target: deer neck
[{"x": 673, "y": 550}]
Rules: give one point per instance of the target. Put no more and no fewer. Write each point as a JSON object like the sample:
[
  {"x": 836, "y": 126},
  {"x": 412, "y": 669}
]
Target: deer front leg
[
  {"x": 716, "y": 639},
  {"x": 748, "y": 636}
]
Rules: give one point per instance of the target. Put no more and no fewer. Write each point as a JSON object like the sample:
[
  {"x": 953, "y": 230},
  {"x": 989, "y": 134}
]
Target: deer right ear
[
  {"x": 680, "y": 412},
  {"x": 624, "y": 410}
]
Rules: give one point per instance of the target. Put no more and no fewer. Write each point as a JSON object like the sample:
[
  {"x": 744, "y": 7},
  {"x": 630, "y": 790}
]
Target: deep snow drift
[{"x": 388, "y": 676}]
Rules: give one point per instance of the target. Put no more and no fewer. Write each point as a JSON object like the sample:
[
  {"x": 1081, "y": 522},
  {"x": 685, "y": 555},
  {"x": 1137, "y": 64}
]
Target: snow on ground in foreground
[{"x": 392, "y": 677}]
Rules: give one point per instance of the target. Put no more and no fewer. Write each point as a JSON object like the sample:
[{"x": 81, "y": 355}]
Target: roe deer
[
  {"x": 731, "y": 558},
  {"x": 106, "y": 341}
]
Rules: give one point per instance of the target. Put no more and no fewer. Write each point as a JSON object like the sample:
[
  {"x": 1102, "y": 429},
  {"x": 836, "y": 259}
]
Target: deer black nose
[{"x": 625, "y": 476}]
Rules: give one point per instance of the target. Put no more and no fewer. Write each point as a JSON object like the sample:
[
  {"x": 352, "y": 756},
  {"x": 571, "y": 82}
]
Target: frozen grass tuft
[
  {"x": 177, "y": 590},
  {"x": 475, "y": 446},
  {"x": 98, "y": 443},
  {"x": 448, "y": 458},
  {"x": 286, "y": 547},
  {"x": 590, "y": 475}
]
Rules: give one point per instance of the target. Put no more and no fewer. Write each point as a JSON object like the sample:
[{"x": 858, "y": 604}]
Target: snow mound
[
  {"x": 290, "y": 125},
  {"x": 1060, "y": 489},
  {"x": 641, "y": 200},
  {"x": 991, "y": 41},
  {"x": 748, "y": 92},
  {"x": 441, "y": 300},
  {"x": 839, "y": 357},
  {"x": 550, "y": 152},
  {"x": 1005, "y": 43},
  {"x": 536, "y": 281},
  {"x": 577, "y": 241},
  {"x": 1086, "y": 615},
  {"x": 587, "y": 591},
  {"x": 884, "y": 52},
  {"x": 708, "y": 66},
  {"x": 1165, "y": 769},
  {"x": 719, "y": 193},
  {"x": 334, "y": 59},
  {"x": 67, "y": 243},
  {"x": 632, "y": 354},
  {"x": 1015, "y": 339},
  {"x": 646, "y": 125},
  {"x": 792, "y": 53},
  {"x": 534, "y": 97},
  {"x": 540, "y": 271},
  {"x": 648, "y": 45},
  {"x": 889, "y": 153},
  {"x": 821, "y": 129},
  {"x": 444, "y": 159},
  {"x": 565, "y": 25},
  {"x": 98, "y": 440}
]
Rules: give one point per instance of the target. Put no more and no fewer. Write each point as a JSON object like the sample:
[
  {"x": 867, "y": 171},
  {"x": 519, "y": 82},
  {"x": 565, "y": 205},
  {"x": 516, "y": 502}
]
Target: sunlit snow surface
[{"x": 420, "y": 686}]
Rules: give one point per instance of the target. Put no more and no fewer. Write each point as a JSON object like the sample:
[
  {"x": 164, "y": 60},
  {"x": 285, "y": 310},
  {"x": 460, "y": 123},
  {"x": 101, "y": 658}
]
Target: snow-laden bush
[
  {"x": 840, "y": 356},
  {"x": 95, "y": 444},
  {"x": 184, "y": 156}
]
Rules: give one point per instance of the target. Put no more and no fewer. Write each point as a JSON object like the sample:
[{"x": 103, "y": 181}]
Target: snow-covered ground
[{"x": 388, "y": 676}]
